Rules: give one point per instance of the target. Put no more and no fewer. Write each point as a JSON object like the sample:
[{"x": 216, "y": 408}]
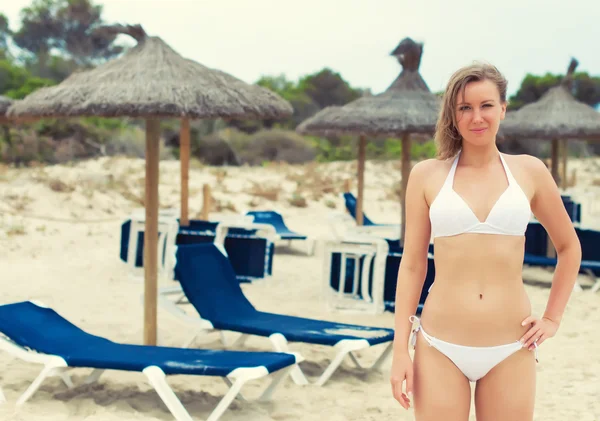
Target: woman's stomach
[{"x": 477, "y": 298}]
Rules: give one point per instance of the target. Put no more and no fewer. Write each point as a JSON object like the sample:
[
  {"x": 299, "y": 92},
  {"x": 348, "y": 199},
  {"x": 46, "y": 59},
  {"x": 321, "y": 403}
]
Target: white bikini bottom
[{"x": 474, "y": 361}]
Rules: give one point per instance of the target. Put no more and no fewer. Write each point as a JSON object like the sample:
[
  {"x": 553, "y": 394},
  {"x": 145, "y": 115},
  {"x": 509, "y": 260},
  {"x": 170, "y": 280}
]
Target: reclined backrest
[{"x": 209, "y": 282}]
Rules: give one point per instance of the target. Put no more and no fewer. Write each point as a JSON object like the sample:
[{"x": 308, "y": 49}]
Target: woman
[{"x": 476, "y": 323}]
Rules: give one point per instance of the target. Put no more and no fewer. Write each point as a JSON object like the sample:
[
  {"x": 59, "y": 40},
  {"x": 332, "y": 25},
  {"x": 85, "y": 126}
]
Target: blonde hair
[{"x": 447, "y": 138}]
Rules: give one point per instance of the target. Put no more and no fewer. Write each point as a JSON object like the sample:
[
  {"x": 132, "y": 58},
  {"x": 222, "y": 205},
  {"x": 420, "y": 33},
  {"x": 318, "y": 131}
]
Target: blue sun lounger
[
  {"x": 208, "y": 281},
  {"x": 536, "y": 241},
  {"x": 275, "y": 219},
  {"x": 38, "y": 334},
  {"x": 350, "y": 202}
]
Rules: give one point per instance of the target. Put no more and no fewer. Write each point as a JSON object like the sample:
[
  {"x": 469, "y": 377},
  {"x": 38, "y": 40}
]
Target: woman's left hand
[{"x": 540, "y": 330}]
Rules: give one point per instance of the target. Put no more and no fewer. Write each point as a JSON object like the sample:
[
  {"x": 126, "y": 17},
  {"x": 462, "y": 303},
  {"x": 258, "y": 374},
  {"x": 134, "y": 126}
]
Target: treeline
[{"x": 53, "y": 38}]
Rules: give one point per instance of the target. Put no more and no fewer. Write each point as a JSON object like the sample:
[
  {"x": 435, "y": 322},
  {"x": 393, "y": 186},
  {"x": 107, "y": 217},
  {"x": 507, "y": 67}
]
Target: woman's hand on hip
[{"x": 539, "y": 331}]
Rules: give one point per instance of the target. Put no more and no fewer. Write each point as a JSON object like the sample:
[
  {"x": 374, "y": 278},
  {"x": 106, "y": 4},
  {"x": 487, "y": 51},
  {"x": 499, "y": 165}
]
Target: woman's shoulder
[
  {"x": 529, "y": 164},
  {"x": 531, "y": 173},
  {"x": 429, "y": 175},
  {"x": 430, "y": 166}
]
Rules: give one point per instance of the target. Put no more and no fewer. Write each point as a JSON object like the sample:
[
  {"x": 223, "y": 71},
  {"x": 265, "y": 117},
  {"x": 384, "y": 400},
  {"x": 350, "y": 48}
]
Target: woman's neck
[{"x": 479, "y": 156}]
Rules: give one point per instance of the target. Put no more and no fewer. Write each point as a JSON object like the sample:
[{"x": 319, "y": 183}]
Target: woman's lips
[{"x": 478, "y": 131}]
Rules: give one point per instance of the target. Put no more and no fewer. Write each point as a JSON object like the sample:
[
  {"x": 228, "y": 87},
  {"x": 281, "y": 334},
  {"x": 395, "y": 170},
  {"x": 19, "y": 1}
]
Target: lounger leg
[
  {"x": 596, "y": 286},
  {"x": 94, "y": 376},
  {"x": 280, "y": 344},
  {"x": 383, "y": 356},
  {"x": 157, "y": 379},
  {"x": 332, "y": 367},
  {"x": 2, "y": 397},
  {"x": 277, "y": 378},
  {"x": 223, "y": 338},
  {"x": 354, "y": 360},
  {"x": 226, "y": 401},
  {"x": 310, "y": 247},
  {"x": 377, "y": 364},
  {"x": 191, "y": 340},
  {"x": 345, "y": 347},
  {"x": 240, "y": 341},
  {"x": 52, "y": 369},
  {"x": 67, "y": 380},
  {"x": 229, "y": 383}
]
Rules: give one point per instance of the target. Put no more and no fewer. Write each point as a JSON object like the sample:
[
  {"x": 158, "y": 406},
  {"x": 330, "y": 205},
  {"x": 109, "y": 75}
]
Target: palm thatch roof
[
  {"x": 4, "y": 104},
  {"x": 406, "y": 107},
  {"x": 556, "y": 115},
  {"x": 152, "y": 80}
]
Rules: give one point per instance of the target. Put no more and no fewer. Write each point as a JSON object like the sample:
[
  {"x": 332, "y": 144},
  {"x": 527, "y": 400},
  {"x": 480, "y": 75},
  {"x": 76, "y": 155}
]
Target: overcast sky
[{"x": 250, "y": 38}]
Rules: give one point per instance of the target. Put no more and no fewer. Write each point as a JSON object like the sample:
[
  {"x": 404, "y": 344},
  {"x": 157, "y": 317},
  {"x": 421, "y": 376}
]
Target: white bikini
[{"x": 450, "y": 215}]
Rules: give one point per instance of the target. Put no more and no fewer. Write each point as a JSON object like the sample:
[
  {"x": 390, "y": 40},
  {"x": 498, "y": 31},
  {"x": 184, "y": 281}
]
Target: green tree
[
  {"x": 38, "y": 32},
  {"x": 310, "y": 94},
  {"x": 585, "y": 88},
  {"x": 304, "y": 106},
  {"x": 278, "y": 84},
  {"x": 16, "y": 82},
  {"x": 65, "y": 29},
  {"x": 327, "y": 88},
  {"x": 78, "y": 19},
  {"x": 5, "y": 35}
]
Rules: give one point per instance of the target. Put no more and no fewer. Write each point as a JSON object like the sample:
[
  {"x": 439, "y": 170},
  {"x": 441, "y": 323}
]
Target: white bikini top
[{"x": 450, "y": 215}]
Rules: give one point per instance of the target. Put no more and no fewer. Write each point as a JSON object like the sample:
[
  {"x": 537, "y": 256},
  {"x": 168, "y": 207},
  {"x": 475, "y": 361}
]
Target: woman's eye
[{"x": 464, "y": 108}]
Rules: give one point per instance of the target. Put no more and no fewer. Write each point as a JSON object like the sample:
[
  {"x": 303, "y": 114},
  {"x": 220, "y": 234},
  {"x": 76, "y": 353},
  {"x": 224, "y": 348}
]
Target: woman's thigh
[
  {"x": 507, "y": 392},
  {"x": 441, "y": 391}
]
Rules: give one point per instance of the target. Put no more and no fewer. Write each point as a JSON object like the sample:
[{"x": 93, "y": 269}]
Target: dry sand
[{"x": 60, "y": 243}]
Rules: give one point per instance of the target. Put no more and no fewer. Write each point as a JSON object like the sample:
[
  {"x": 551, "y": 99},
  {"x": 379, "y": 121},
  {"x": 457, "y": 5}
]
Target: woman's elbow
[
  {"x": 570, "y": 249},
  {"x": 410, "y": 270}
]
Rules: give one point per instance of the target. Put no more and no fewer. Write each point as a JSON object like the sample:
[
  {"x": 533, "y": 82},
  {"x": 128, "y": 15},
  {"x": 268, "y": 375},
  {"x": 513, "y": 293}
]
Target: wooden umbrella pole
[
  {"x": 565, "y": 157},
  {"x": 151, "y": 231},
  {"x": 361, "y": 180},
  {"x": 405, "y": 174},
  {"x": 206, "y": 202},
  {"x": 554, "y": 162},
  {"x": 184, "y": 161}
]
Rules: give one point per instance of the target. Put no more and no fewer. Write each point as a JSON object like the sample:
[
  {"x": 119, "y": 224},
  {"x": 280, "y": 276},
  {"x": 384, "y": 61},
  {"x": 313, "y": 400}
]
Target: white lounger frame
[
  {"x": 278, "y": 341},
  {"x": 595, "y": 280},
  {"x": 342, "y": 225},
  {"x": 57, "y": 366},
  {"x": 167, "y": 235},
  {"x": 374, "y": 251}
]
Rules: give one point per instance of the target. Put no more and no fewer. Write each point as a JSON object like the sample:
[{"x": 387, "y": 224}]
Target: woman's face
[{"x": 479, "y": 112}]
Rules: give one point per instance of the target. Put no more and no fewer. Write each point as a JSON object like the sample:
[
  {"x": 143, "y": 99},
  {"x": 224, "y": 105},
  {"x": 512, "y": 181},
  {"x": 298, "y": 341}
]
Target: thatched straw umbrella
[
  {"x": 406, "y": 107},
  {"x": 152, "y": 81},
  {"x": 556, "y": 116}
]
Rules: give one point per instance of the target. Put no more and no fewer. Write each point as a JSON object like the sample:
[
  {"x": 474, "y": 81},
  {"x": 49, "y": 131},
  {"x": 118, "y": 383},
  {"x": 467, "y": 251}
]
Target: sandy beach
[{"x": 59, "y": 244}]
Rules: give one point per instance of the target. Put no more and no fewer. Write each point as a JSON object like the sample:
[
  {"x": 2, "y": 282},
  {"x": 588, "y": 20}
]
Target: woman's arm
[
  {"x": 413, "y": 265},
  {"x": 548, "y": 208}
]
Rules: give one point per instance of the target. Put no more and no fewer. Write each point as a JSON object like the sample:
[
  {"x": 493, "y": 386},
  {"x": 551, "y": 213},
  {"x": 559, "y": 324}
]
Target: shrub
[{"x": 275, "y": 145}]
